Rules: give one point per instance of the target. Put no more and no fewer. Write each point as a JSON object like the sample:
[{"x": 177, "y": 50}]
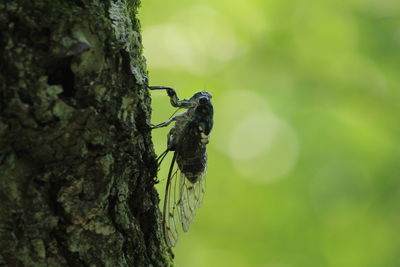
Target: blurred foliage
[{"x": 304, "y": 157}]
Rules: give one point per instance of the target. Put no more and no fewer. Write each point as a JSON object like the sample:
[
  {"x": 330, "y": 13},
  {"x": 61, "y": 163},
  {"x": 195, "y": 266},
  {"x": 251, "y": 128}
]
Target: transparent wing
[
  {"x": 191, "y": 196},
  {"x": 170, "y": 212},
  {"x": 182, "y": 198}
]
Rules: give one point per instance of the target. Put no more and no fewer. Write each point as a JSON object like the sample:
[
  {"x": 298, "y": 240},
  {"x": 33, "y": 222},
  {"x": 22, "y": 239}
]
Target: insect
[{"x": 188, "y": 139}]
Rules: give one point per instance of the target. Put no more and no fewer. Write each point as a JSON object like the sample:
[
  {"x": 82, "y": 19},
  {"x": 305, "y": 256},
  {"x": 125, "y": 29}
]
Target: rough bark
[{"x": 77, "y": 166}]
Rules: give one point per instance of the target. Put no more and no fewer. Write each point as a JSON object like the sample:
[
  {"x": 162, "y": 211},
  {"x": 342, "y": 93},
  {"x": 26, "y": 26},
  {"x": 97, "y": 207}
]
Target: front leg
[
  {"x": 163, "y": 124},
  {"x": 175, "y": 102},
  {"x": 179, "y": 117}
]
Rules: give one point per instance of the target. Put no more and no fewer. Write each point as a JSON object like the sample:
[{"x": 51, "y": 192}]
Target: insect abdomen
[{"x": 193, "y": 167}]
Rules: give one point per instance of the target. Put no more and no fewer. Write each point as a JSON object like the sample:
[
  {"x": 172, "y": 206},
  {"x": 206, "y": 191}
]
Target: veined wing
[
  {"x": 182, "y": 198},
  {"x": 191, "y": 196},
  {"x": 170, "y": 212}
]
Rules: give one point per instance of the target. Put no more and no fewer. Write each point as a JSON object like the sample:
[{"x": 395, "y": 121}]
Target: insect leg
[
  {"x": 161, "y": 157},
  {"x": 175, "y": 102},
  {"x": 180, "y": 116},
  {"x": 163, "y": 124}
]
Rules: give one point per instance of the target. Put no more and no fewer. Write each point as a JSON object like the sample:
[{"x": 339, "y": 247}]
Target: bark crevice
[{"x": 77, "y": 165}]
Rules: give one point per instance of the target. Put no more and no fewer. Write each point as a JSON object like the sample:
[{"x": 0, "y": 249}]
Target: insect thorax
[{"x": 189, "y": 137}]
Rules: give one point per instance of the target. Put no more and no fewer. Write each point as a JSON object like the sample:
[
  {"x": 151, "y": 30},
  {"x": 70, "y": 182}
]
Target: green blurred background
[{"x": 304, "y": 156}]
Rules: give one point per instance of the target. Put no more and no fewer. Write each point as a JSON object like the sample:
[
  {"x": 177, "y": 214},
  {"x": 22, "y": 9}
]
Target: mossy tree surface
[{"x": 77, "y": 165}]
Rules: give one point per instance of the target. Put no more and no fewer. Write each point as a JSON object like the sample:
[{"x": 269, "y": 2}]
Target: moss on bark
[{"x": 77, "y": 165}]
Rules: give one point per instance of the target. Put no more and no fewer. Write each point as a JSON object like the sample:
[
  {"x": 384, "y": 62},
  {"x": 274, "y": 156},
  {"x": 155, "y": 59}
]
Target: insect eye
[{"x": 203, "y": 100}]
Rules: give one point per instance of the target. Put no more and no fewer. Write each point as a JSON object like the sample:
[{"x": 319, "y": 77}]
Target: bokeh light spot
[
  {"x": 263, "y": 146},
  {"x": 252, "y": 136},
  {"x": 203, "y": 44}
]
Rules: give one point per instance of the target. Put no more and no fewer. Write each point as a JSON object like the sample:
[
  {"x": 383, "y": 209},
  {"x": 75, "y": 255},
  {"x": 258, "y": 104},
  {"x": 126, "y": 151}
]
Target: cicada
[{"x": 187, "y": 139}]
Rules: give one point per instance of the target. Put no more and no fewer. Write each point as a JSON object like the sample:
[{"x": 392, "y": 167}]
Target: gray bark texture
[{"x": 77, "y": 165}]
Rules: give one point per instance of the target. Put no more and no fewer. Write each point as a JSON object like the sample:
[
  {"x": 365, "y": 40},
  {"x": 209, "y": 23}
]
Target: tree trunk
[{"x": 77, "y": 165}]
